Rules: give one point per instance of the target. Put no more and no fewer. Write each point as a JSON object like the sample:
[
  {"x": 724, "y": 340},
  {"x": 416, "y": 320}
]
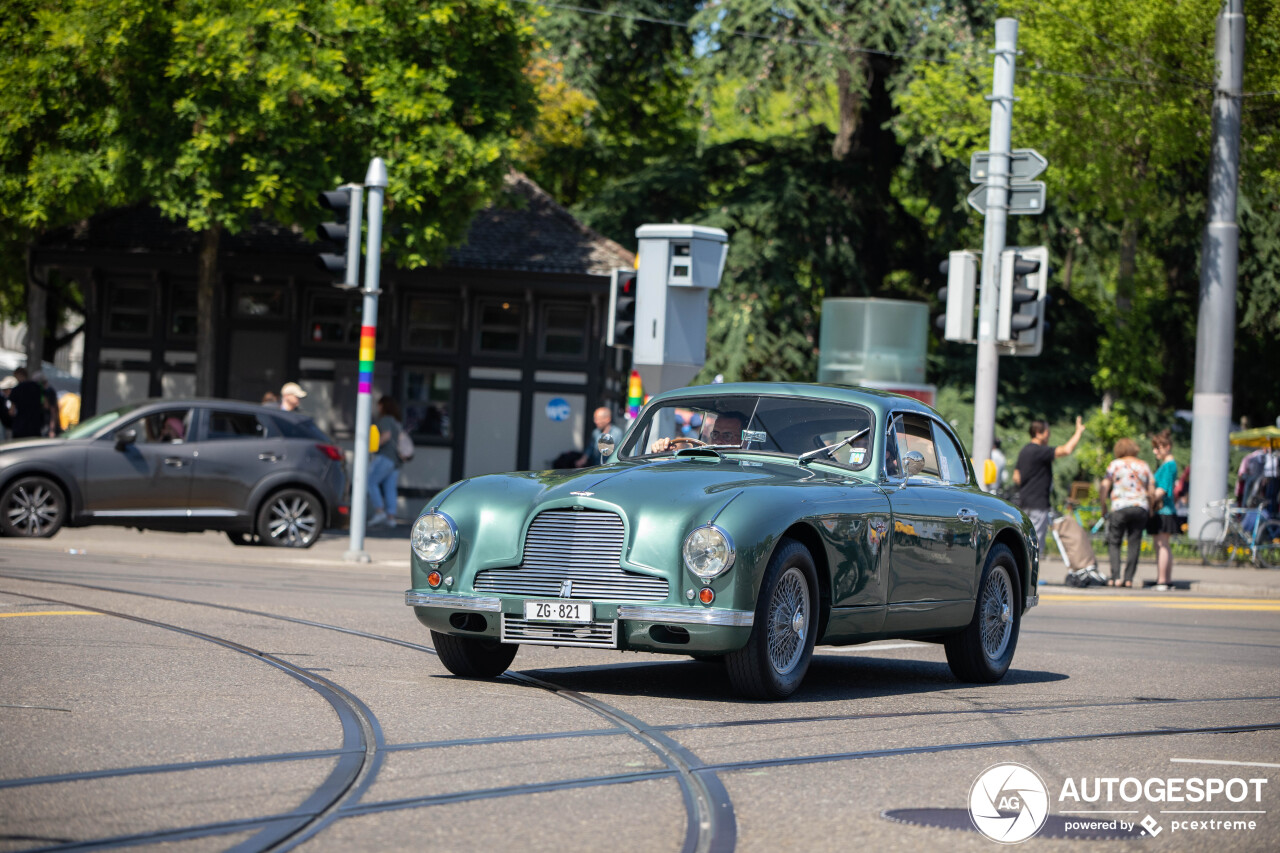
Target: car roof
[
  {"x": 873, "y": 398},
  {"x": 215, "y": 402}
]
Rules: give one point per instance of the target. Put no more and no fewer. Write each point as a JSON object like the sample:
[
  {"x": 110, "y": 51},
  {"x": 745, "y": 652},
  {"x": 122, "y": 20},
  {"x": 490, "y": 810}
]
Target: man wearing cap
[{"x": 291, "y": 396}]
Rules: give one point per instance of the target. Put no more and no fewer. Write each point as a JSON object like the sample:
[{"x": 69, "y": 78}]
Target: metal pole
[
  {"x": 993, "y": 241},
  {"x": 1215, "y": 328},
  {"x": 376, "y": 183}
]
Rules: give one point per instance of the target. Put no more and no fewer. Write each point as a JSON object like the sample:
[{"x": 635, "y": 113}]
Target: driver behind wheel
[{"x": 717, "y": 429}]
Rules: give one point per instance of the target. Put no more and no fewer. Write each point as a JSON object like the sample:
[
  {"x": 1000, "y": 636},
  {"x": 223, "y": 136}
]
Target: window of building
[
  {"x": 431, "y": 325},
  {"x": 261, "y": 300},
  {"x": 128, "y": 309},
  {"x": 501, "y": 327},
  {"x": 428, "y": 401},
  {"x": 564, "y": 330},
  {"x": 333, "y": 318},
  {"x": 182, "y": 309}
]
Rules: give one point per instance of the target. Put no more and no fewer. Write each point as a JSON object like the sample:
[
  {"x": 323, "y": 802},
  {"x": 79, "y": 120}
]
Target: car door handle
[
  {"x": 967, "y": 515},
  {"x": 174, "y": 462},
  {"x": 269, "y": 457}
]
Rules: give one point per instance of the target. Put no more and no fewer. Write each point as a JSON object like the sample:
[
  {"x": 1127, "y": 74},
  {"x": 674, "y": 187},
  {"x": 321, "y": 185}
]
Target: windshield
[
  {"x": 84, "y": 429},
  {"x": 783, "y": 425}
]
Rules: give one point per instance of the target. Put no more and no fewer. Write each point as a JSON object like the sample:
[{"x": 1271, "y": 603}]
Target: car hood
[
  {"x": 658, "y": 500},
  {"x": 19, "y": 445}
]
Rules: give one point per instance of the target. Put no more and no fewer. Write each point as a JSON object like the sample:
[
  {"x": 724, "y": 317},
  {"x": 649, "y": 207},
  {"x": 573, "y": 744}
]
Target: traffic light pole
[
  {"x": 376, "y": 183},
  {"x": 993, "y": 241},
  {"x": 1215, "y": 329}
]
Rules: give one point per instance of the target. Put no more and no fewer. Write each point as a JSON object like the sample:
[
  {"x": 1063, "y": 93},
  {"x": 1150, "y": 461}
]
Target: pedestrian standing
[
  {"x": 1126, "y": 495},
  {"x": 27, "y": 404},
  {"x": 291, "y": 396},
  {"x": 996, "y": 487},
  {"x": 1164, "y": 517},
  {"x": 603, "y": 419},
  {"x": 1033, "y": 474},
  {"x": 384, "y": 466}
]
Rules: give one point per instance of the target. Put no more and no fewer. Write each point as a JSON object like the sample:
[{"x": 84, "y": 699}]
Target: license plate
[{"x": 557, "y": 611}]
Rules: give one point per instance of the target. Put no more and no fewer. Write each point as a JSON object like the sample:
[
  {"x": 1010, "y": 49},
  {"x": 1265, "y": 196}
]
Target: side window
[
  {"x": 168, "y": 427},
  {"x": 915, "y": 432},
  {"x": 892, "y": 463},
  {"x": 950, "y": 463},
  {"x": 223, "y": 425}
]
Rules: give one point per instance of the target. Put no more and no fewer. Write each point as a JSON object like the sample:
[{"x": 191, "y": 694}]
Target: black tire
[
  {"x": 776, "y": 657},
  {"x": 1266, "y": 553},
  {"x": 982, "y": 652},
  {"x": 473, "y": 657},
  {"x": 1212, "y": 551},
  {"x": 32, "y": 508},
  {"x": 290, "y": 518},
  {"x": 239, "y": 538}
]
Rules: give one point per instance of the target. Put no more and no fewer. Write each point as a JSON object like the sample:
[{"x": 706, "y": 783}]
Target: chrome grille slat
[
  {"x": 583, "y": 546},
  {"x": 590, "y": 635}
]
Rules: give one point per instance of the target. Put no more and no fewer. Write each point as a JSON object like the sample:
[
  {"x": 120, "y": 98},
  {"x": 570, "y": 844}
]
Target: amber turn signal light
[
  {"x": 706, "y": 595},
  {"x": 433, "y": 579}
]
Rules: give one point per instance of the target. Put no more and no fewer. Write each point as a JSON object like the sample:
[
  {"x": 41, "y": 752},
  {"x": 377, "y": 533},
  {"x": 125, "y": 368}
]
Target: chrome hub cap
[
  {"x": 997, "y": 613},
  {"x": 292, "y": 520},
  {"x": 32, "y": 509},
  {"x": 788, "y": 621}
]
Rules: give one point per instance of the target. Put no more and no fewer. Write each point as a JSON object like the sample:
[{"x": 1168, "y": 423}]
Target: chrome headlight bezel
[
  {"x": 421, "y": 537},
  {"x": 701, "y": 533}
]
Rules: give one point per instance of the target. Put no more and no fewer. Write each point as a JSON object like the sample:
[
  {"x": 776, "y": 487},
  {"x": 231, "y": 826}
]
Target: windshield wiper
[{"x": 831, "y": 449}]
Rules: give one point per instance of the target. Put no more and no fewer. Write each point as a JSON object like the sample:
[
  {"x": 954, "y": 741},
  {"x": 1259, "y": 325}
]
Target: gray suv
[{"x": 262, "y": 475}]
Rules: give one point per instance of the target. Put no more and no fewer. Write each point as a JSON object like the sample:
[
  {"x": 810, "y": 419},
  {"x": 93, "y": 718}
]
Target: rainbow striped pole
[{"x": 376, "y": 183}]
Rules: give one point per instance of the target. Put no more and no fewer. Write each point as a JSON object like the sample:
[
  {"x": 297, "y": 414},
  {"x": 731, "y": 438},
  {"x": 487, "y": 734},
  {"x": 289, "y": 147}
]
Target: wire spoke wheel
[
  {"x": 788, "y": 621},
  {"x": 32, "y": 507},
  {"x": 997, "y": 614}
]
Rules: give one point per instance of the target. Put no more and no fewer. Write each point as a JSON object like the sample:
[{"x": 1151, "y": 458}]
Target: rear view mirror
[
  {"x": 126, "y": 437},
  {"x": 914, "y": 461},
  {"x": 605, "y": 444}
]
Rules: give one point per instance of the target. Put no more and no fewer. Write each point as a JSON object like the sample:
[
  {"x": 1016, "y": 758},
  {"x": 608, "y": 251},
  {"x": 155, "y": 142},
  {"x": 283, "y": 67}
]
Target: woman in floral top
[{"x": 1127, "y": 488}]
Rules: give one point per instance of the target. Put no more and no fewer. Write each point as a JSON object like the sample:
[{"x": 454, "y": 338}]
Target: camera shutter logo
[{"x": 1008, "y": 803}]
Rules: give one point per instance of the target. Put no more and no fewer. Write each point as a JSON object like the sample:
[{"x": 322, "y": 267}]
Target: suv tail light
[{"x": 329, "y": 450}]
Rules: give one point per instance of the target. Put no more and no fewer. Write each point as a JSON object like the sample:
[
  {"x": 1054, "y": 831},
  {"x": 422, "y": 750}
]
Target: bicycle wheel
[
  {"x": 1213, "y": 547},
  {"x": 1266, "y": 545}
]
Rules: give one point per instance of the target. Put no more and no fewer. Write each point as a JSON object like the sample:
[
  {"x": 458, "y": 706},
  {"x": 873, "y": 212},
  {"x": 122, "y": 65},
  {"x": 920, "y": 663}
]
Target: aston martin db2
[{"x": 742, "y": 523}]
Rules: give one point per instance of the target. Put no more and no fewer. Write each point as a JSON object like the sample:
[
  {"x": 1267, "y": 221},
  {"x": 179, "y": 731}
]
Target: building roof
[{"x": 525, "y": 230}]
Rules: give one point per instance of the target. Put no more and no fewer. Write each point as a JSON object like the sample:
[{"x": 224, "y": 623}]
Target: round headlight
[
  {"x": 708, "y": 551},
  {"x": 434, "y": 537}
]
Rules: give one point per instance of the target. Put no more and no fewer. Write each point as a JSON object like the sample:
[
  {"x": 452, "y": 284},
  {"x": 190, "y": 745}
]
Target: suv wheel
[
  {"x": 290, "y": 518},
  {"x": 32, "y": 507}
]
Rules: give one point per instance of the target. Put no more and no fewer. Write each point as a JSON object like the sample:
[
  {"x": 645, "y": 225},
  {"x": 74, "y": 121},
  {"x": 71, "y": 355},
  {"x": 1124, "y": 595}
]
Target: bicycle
[{"x": 1238, "y": 530}]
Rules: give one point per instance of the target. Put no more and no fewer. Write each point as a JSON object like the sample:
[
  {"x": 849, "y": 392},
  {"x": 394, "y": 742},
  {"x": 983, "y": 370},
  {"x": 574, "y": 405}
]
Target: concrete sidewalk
[{"x": 389, "y": 549}]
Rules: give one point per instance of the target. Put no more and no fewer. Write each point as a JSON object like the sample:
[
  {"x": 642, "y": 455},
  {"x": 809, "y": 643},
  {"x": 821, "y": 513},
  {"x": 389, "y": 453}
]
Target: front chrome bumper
[{"x": 631, "y": 612}]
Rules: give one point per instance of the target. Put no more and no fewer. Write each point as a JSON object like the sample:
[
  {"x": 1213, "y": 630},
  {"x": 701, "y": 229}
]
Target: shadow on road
[{"x": 830, "y": 679}]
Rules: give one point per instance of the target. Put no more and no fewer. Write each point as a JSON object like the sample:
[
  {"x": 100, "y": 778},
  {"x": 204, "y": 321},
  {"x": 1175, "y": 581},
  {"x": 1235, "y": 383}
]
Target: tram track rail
[{"x": 710, "y": 821}]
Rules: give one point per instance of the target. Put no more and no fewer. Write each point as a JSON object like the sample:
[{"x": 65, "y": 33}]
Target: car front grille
[
  {"x": 590, "y": 635},
  {"x": 580, "y": 546}
]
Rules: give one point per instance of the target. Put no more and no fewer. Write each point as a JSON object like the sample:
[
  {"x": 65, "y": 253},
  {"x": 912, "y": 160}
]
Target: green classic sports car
[{"x": 736, "y": 522}]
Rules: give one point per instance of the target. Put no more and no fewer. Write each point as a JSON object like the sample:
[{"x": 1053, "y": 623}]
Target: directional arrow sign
[
  {"x": 1025, "y": 164},
  {"x": 1024, "y": 198}
]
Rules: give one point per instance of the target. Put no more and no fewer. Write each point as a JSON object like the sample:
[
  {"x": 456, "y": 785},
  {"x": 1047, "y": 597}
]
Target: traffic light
[
  {"x": 961, "y": 270},
  {"x": 620, "y": 331},
  {"x": 345, "y": 199},
  {"x": 1024, "y": 280}
]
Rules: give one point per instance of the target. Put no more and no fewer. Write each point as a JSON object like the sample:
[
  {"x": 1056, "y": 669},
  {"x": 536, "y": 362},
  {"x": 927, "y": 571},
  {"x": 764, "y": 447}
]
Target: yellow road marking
[
  {"x": 1198, "y": 603},
  {"x": 53, "y": 613}
]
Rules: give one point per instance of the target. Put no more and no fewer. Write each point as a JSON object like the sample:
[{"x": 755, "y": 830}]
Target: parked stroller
[{"x": 1077, "y": 552}]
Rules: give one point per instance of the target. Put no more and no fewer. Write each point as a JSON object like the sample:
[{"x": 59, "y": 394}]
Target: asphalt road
[{"x": 201, "y": 703}]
